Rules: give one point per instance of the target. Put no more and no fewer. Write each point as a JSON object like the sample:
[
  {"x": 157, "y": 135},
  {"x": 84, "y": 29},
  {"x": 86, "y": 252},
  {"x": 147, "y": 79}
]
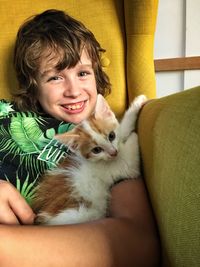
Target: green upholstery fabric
[{"x": 169, "y": 135}]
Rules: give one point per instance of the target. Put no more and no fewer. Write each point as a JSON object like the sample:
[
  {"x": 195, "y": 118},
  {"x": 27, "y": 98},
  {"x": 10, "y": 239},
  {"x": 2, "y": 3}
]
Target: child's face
[{"x": 70, "y": 94}]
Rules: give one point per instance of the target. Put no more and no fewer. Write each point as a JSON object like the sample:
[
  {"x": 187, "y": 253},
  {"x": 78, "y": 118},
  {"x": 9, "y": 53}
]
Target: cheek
[
  {"x": 46, "y": 95},
  {"x": 92, "y": 86},
  {"x": 42, "y": 99},
  {"x": 93, "y": 93},
  {"x": 40, "y": 93},
  {"x": 92, "y": 157},
  {"x": 97, "y": 157}
]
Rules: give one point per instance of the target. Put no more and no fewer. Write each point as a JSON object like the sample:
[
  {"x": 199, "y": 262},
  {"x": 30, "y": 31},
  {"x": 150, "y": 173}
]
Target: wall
[{"x": 177, "y": 35}]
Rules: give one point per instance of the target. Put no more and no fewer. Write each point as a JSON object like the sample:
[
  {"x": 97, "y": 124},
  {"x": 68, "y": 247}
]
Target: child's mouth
[{"x": 75, "y": 107}]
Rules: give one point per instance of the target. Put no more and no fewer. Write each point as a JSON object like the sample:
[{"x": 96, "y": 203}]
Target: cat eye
[
  {"x": 111, "y": 136},
  {"x": 97, "y": 150}
]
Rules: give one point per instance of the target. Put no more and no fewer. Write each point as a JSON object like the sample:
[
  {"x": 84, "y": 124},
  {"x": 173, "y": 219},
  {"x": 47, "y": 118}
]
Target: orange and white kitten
[{"x": 103, "y": 152}]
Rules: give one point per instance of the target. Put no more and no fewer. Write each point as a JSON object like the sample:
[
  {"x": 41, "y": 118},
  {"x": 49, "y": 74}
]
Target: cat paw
[{"x": 139, "y": 101}]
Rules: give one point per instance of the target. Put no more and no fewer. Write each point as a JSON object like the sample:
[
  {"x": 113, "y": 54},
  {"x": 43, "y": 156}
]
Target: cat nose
[{"x": 113, "y": 153}]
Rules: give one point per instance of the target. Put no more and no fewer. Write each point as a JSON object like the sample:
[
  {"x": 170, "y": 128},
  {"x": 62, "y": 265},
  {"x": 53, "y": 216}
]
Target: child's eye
[
  {"x": 111, "y": 136},
  {"x": 83, "y": 73},
  {"x": 97, "y": 150},
  {"x": 54, "y": 78}
]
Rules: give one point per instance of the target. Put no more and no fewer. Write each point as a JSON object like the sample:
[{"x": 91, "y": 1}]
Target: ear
[
  {"x": 102, "y": 109},
  {"x": 68, "y": 139}
]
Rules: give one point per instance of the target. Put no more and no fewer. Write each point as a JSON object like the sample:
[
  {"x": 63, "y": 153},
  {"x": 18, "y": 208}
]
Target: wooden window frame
[{"x": 177, "y": 64}]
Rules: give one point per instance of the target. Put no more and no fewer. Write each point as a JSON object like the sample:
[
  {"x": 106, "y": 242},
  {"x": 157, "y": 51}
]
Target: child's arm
[
  {"x": 13, "y": 207},
  {"x": 127, "y": 238}
]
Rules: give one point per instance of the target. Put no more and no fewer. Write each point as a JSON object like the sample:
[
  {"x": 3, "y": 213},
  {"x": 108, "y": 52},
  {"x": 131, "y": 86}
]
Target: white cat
[{"x": 103, "y": 152}]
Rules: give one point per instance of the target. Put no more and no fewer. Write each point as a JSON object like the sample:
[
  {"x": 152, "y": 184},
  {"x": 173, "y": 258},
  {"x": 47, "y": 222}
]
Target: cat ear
[
  {"x": 68, "y": 139},
  {"x": 102, "y": 109}
]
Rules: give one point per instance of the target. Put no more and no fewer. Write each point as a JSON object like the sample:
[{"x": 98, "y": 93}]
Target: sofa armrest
[{"x": 169, "y": 137}]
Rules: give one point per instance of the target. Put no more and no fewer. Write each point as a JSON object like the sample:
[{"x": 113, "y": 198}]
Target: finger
[
  {"x": 21, "y": 208},
  {"x": 12, "y": 199},
  {"x": 7, "y": 216}
]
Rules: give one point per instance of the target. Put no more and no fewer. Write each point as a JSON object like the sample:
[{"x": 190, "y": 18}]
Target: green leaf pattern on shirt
[{"x": 32, "y": 145}]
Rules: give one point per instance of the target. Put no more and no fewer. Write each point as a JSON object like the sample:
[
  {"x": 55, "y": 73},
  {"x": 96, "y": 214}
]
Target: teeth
[{"x": 74, "y": 106}]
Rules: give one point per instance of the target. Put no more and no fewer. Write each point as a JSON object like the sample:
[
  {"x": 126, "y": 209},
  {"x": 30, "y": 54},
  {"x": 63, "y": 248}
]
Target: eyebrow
[
  {"x": 86, "y": 65},
  {"x": 45, "y": 72}
]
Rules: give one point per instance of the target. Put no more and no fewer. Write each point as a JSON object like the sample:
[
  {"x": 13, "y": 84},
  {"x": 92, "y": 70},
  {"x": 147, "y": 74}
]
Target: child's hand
[{"x": 13, "y": 207}]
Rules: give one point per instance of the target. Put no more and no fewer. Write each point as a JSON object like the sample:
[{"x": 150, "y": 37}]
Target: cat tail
[{"x": 128, "y": 122}]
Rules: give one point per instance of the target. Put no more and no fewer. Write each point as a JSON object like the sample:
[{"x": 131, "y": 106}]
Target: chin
[
  {"x": 78, "y": 118},
  {"x": 75, "y": 119}
]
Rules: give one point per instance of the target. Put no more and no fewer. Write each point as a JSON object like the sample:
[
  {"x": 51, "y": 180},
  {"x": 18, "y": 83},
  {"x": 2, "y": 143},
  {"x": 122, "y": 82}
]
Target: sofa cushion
[{"x": 169, "y": 135}]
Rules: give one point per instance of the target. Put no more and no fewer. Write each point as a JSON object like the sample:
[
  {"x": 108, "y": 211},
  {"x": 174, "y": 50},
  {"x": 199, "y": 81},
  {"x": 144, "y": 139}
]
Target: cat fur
[{"x": 78, "y": 189}]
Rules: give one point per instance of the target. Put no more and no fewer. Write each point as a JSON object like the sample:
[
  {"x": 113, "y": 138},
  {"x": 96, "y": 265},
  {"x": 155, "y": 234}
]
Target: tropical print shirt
[{"x": 27, "y": 146}]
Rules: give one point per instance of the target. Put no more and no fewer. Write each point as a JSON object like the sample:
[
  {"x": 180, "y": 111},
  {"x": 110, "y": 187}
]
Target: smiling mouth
[{"x": 75, "y": 106}]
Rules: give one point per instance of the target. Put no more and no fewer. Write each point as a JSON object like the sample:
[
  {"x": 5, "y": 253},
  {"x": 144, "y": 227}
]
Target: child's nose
[{"x": 71, "y": 88}]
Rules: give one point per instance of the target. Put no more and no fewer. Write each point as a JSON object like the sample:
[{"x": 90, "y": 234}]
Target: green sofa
[{"x": 169, "y": 136}]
